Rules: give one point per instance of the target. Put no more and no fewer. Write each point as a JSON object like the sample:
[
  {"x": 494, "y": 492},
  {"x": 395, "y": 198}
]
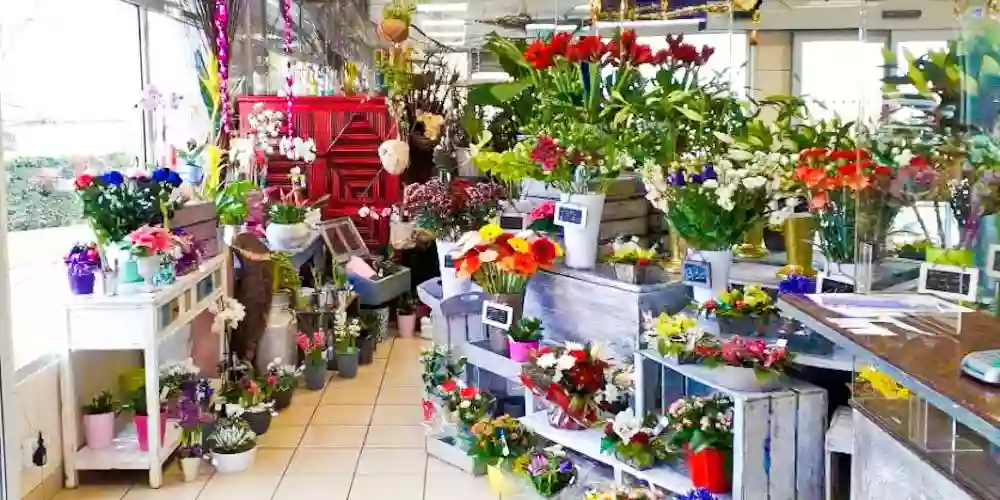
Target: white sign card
[
  {"x": 993, "y": 262},
  {"x": 497, "y": 314},
  {"x": 949, "y": 282},
  {"x": 570, "y": 215},
  {"x": 834, "y": 283}
]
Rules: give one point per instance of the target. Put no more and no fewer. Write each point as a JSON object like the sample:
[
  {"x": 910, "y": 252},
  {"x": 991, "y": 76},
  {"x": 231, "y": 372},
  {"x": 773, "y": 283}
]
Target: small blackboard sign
[
  {"x": 697, "y": 273},
  {"x": 497, "y": 314},
  {"x": 993, "y": 262},
  {"x": 512, "y": 222},
  {"x": 834, "y": 284},
  {"x": 449, "y": 261},
  {"x": 570, "y": 214},
  {"x": 952, "y": 282}
]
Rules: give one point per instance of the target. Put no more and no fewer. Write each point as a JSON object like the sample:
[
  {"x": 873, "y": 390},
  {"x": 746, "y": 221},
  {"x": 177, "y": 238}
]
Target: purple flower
[
  {"x": 677, "y": 178},
  {"x": 708, "y": 173},
  {"x": 565, "y": 467},
  {"x": 797, "y": 283},
  {"x": 698, "y": 494},
  {"x": 539, "y": 462}
]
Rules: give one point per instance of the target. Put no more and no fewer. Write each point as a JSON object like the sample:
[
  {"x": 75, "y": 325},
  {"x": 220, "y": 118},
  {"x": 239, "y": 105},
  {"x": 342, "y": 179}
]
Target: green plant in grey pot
[
  {"x": 367, "y": 339},
  {"x": 345, "y": 335}
]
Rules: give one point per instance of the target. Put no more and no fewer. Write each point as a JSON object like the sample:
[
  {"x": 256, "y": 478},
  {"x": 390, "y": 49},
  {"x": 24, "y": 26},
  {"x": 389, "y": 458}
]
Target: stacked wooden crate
[{"x": 626, "y": 210}]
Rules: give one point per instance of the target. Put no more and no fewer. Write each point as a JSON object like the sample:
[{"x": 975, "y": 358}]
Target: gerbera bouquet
[
  {"x": 150, "y": 241},
  {"x": 629, "y": 251},
  {"x": 638, "y": 443},
  {"x": 550, "y": 470},
  {"x": 765, "y": 360},
  {"x": 678, "y": 335},
  {"x": 698, "y": 423},
  {"x": 751, "y": 301},
  {"x": 448, "y": 210},
  {"x": 623, "y": 492},
  {"x": 572, "y": 378},
  {"x": 464, "y": 405},
  {"x": 498, "y": 441},
  {"x": 500, "y": 262}
]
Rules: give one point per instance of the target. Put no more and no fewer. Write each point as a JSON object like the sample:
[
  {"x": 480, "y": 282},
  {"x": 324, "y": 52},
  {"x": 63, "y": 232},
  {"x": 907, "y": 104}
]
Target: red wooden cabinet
[{"x": 347, "y": 132}]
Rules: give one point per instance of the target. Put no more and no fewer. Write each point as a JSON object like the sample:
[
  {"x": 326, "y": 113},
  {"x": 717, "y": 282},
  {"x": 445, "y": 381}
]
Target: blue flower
[
  {"x": 174, "y": 179},
  {"x": 797, "y": 283},
  {"x": 161, "y": 175},
  {"x": 708, "y": 173},
  {"x": 565, "y": 467},
  {"x": 677, "y": 178},
  {"x": 112, "y": 177},
  {"x": 698, "y": 494}
]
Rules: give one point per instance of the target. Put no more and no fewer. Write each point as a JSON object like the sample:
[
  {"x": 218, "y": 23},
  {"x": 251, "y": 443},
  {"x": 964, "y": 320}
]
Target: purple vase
[{"x": 81, "y": 283}]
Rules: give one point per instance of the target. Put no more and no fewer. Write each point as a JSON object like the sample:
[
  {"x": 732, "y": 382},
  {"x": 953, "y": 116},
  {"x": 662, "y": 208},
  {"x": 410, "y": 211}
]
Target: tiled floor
[{"x": 358, "y": 439}]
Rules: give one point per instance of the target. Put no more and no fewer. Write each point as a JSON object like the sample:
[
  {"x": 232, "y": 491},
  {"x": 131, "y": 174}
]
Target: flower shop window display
[
  {"x": 194, "y": 407},
  {"x": 447, "y": 210},
  {"x": 234, "y": 446},
  {"x": 525, "y": 337},
  {"x": 345, "y": 337},
  {"x": 284, "y": 378},
  {"x": 99, "y": 421},
  {"x": 502, "y": 264},
  {"x": 314, "y": 354},
  {"x": 572, "y": 380},
  {"x": 82, "y": 264},
  {"x": 749, "y": 312},
  {"x": 703, "y": 428},
  {"x": 549, "y": 470},
  {"x": 629, "y": 260},
  {"x": 640, "y": 443}
]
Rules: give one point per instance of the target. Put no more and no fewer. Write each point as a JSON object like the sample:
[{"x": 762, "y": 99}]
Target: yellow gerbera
[
  {"x": 519, "y": 245},
  {"x": 490, "y": 232}
]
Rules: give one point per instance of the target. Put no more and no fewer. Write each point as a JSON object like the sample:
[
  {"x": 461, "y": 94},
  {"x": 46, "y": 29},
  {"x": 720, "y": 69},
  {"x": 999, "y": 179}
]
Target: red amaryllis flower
[
  {"x": 538, "y": 55},
  {"x": 547, "y": 153},
  {"x": 544, "y": 251},
  {"x": 706, "y": 52},
  {"x": 587, "y": 49},
  {"x": 640, "y": 438},
  {"x": 559, "y": 46},
  {"x": 467, "y": 393},
  {"x": 685, "y": 53},
  {"x": 448, "y": 386},
  {"x": 83, "y": 181},
  {"x": 661, "y": 56}
]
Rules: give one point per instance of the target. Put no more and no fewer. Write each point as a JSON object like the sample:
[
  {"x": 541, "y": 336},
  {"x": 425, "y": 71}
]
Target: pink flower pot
[
  {"x": 521, "y": 351},
  {"x": 99, "y": 430},
  {"x": 142, "y": 430},
  {"x": 406, "y": 324}
]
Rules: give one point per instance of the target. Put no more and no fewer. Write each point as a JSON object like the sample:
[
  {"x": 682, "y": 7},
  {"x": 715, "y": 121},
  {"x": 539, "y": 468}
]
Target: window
[
  {"x": 70, "y": 107},
  {"x": 851, "y": 91},
  {"x": 729, "y": 59}
]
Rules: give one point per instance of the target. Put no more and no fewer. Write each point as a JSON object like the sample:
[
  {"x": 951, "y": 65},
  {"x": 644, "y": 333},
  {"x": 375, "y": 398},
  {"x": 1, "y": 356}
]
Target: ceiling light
[
  {"x": 652, "y": 23},
  {"x": 443, "y": 7},
  {"x": 441, "y": 22}
]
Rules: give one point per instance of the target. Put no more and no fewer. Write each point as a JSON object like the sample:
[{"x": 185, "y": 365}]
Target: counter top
[{"x": 927, "y": 363}]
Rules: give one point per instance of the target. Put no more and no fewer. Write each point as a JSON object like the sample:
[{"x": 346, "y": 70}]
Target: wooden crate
[
  {"x": 446, "y": 451},
  {"x": 201, "y": 222},
  {"x": 625, "y": 209}
]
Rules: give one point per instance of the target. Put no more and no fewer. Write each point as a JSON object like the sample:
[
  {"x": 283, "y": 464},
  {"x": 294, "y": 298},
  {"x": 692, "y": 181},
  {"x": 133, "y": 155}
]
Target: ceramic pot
[
  {"x": 366, "y": 350},
  {"x": 406, "y": 325},
  {"x": 228, "y": 463},
  {"x": 260, "y": 421},
  {"x": 190, "y": 467},
  {"x": 393, "y": 30},
  {"x": 141, "y": 423},
  {"x": 347, "y": 364},
  {"x": 720, "y": 262},
  {"x": 99, "y": 430},
  {"x": 451, "y": 284},
  {"x": 745, "y": 379},
  {"x": 148, "y": 268},
  {"x": 521, "y": 351},
  {"x": 283, "y": 399},
  {"x": 581, "y": 242},
  {"x": 710, "y": 469},
  {"x": 498, "y": 336},
  {"x": 286, "y": 237},
  {"x": 82, "y": 283},
  {"x": 315, "y": 375}
]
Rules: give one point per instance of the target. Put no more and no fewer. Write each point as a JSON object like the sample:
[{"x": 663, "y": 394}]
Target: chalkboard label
[
  {"x": 834, "y": 284},
  {"x": 513, "y": 222},
  {"x": 993, "y": 262},
  {"x": 697, "y": 273},
  {"x": 449, "y": 261},
  {"x": 953, "y": 282},
  {"x": 497, "y": 314},
  {"x": 570, "y": 215}
]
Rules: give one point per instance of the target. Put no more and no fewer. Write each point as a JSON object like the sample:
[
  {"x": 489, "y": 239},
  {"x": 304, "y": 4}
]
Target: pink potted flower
[
  {"x": 525, "y": 336},
  {"x": 149, "y": 244},
  {"x": 406, "y": 316},
  {"x": 99, "y": 421}
]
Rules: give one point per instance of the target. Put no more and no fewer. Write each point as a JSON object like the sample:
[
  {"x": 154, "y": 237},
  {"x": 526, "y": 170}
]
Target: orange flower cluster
[
  {"x": 824, "y": 170},
  {"x": 521, "y": 255}
]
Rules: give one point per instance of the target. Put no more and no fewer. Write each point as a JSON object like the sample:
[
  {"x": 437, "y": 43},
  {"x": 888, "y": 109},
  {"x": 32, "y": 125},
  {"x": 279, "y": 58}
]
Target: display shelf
[
  {"x": 124, "y": 453},
  {"x": 708, "y": 377},
  {"x": 479, "y": 354},
  {"x": 588, "y": 442}
]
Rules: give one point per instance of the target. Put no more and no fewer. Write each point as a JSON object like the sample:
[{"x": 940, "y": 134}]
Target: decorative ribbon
[
  {"x": 286, "y": 13},
  {"x": 222, "y": 57}
]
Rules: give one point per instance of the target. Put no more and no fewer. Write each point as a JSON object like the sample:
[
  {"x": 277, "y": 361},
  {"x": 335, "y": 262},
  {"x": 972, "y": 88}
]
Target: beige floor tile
[
  {"x": 343, "y": 415},
  {"x": 389, "y": 485},
  {"x": 294, "y": 415},
  {"x": 437, "y": 467},
  {"x": 173, "y": 488},
  {"x": 94, "y": 492},
  {"x": 400, "y": 396},
  {"x": 323, "y": 461},
  {"x": 402, "y": 379},
  {"x": 383, "y": 350},
  {"x": 305, "y": 397},
  {"x": 244, "y": 486},
  {"x": 372, "y": 379},
  {"x": 395, "y": 436},
  {"x": 323, "y": 487},
  {"x": 334, "y": 436},
  {"x": 457, "y": 485},
  {"x": 377, "y": 365},
  {"x": 282, "y": 437},
  {"x": 271, "y": 461},
  {"x": 398, "y": 415},
  {"x": 350, "y": 396},
  {"x": 376, "y": 461}
]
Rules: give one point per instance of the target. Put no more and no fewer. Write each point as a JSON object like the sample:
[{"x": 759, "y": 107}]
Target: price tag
[
  {"x": 449, "y": 261},
  {"x": 834, "y": 284},
  {"x": 697, "y": 273},
  {"x": 993, "y": 262},
  {"x": 570, "y": 215},
  {"x": 497, "y": 314},
  {"x": 513, "y": 222},
  {"x": 781, "y": 343},
  {"x": 950, "y": 282}
]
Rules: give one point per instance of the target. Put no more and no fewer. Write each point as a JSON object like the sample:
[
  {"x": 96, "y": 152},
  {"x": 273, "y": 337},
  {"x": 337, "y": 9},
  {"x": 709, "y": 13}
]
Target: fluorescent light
[
  {"x": 443, "y": 7},
  {"x": 550, "y": 27},
  {"x": 651, "y": 23},
  {"x": 441, "y": 22}
]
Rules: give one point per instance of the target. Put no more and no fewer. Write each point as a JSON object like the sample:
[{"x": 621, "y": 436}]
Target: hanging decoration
[
  {"x": 286, "y": 14},
  {"x": 222, "y": 42}
]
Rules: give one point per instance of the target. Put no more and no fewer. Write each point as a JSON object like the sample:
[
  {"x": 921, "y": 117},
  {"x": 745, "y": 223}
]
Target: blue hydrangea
[
  {"x": 112, "y": 178},
  {"x": 161, "y": 175},
  {"x": 698, "y": 494}
]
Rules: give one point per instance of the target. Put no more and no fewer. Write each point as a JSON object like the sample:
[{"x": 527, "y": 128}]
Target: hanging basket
[{"x": 393, "y": 30}]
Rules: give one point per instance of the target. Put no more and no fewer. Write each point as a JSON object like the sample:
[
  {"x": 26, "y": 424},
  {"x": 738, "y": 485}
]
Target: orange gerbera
[
  {"x": 524, "y": 264},
  {"x": 468, "y": 264}
]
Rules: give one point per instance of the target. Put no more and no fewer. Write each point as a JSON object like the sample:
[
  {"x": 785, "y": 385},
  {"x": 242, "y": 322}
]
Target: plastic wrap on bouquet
[
  {"x": 583, "y": 472},
  {"x": 613, "y": 491}
]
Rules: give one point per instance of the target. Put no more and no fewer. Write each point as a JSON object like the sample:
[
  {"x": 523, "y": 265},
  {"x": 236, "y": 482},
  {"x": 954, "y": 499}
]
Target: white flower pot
[
  {"x": 190, "y": 467},
  {"x": 236, "y": 462},
  {"x": 720, "y": 262},
  {"x": 286, "y": 237},
  {"x": 581, "y": 242},
  {"x": 744, "y": 379},
  {"x": 451, "y": 284},
  {"x": 148, "y": 269}
]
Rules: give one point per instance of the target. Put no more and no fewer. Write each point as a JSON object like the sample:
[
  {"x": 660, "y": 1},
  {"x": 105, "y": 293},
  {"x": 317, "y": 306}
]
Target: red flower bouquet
[
  {"x": 573, "y": 379},
  {"x": 464, "y": 405},
  {"x": 766, "y": 360}
]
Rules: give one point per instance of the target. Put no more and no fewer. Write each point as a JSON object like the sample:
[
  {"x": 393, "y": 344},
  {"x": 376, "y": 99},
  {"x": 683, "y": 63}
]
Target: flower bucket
[
  {"x": 961, "y": 257},
  {"x": 498, "y": 336},
  {"x": 630, "y": 273},
  {"x": 286, "y": 237},
  {"x": 259, "y": 421},
  {"x": 226, "y": 463},
  {"x": 720, "y": 262},
  {"x": 141, "y": 423},
  {"x": 559, "y": 419},
  {"x": 82, "y": 283},
  {"x": 283, "y": 399},
  {"x": 710, "y": 469},
  {"x": 521, "y": 351},
  {"x": 406, "y": 325},
  {"x": 99, "y": 430},
  {"x": 581, "y": 242},
  {"x": 744, "y": 379},
  {"x": 190, "y": 467},
  {"x": 366, "y": 350},
  {"x": 451, "y": 284},
  {"x": 315, "y": 376},
  {"x": 347, "y": 364},
  {"x": 749, "y": 326}
]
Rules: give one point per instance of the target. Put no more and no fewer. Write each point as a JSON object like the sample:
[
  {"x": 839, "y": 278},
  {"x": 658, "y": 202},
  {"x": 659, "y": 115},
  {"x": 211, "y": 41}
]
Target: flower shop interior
[{"x": 459, "y": 249}]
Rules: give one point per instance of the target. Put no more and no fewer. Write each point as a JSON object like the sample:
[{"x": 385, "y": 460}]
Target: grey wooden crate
[{"x": 449, "y": 453}]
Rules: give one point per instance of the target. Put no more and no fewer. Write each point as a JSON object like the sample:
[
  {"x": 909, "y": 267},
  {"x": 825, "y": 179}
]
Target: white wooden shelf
[
  {"x": 478, "y": 354},
  {"x": 124, "y": 452},
  {"x": 138, "y": 322}
]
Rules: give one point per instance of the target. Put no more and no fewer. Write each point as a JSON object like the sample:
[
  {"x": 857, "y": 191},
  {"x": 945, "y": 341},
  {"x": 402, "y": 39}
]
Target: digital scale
[{"x": 983, "y": 366}]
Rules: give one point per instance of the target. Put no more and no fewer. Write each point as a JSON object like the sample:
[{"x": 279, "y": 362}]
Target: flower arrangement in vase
[
  {"x": 550, "y": 470},
  {"x": 640, "y": 443},
  {"x": 678, "y": 336},
  {"x": 284, "y": 378},
  {"x": 234, "y": 446},
  {"x": 571, "y": 378},
  {"x": 525, "y": 336},
  {"x": 99, "y": 420},
  {"x": 345, "y": 337},
  {"x": 82, "y": 264},
  {"x": 149, "y": 246},
  {"x": 748, "y": 312},
  {"x": 464, "y": 406},
  {"x": 703, "y": 427},
  {"x": 196, "y": 397},
  {"x": 313, "y": 349},
  {"x": 629, "y": 260},
  {"x": 497, "y": 442}
]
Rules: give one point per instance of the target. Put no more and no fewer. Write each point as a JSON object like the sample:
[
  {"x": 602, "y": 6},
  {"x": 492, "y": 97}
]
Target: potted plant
[
  {"x": 550, "y": 470},
  {"x": 497, "y": 442},
  {"x": 464, "y": 406},
  {"x": 703, "y": 427},
  {"x": 82, "y": 264},
  {"x": 525, "y": 336},
  {"x": 232, "y": 207},
  {"x": 629, "y": 260},
  {"x": 284, "y": 378},
  {"x": 638, "y": 443},
  {"x": 234, "y": 446},
  {"x": 314, "y": 352},
  {"x": 502, "y": 264},
  {"x": 135, "y": 401},
  {"x": 149, "y": 246},
  {"x": 345, "y": 337},
  {"x": 626, "y": 492},
  {"x": 679, "y": 337},
  {"x": 571, "y": 378},
  {"x": 748, "y": 312},
  {"x": 396, "y": 17},
  {"x": 439, "y": 366},
  {"x": 406, "y": 315},
  {"x": 367, "y": 339},
  {"x": 287, "y": 229},
  {"x": 193, "y": 405},
  {"x": 750, "y": 365},
  {"x": 253, "y": 401},
  {"x": 99, "y": 421}
]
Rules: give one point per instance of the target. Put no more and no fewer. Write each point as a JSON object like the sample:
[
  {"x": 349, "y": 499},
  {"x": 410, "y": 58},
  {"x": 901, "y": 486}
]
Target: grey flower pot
[
  {"x": 347, "y": 364},
  {"x": 366, "y": 348},
  {"x": 315, "y": 376},
  {"x": 283, "y": 399},
  {"x": 259, "y": 421}
]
